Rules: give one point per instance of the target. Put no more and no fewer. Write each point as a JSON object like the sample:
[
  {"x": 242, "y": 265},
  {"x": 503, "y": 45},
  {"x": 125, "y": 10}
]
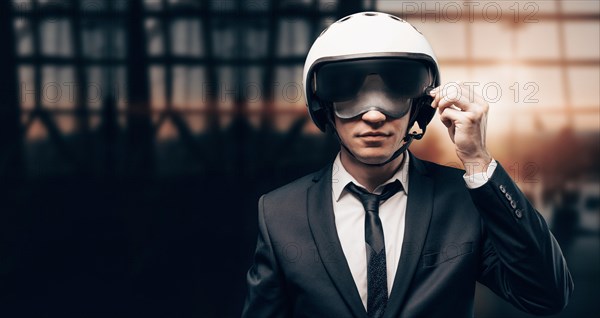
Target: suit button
[
  {"x": 502, "y": 188},
  {"x": 519, "y": 213},
  {"x": 513, "y": 204},
  {"x": 508, "y": 197}
]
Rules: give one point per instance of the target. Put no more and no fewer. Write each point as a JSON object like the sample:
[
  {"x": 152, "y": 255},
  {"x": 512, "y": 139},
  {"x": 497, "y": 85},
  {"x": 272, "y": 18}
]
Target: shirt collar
[{"x": 340, "y": 177}]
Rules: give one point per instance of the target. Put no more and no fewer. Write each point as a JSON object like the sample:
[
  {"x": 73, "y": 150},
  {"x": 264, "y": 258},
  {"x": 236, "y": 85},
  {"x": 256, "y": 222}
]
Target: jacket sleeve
[
  {"x": 521, "y": 260},
  {"x": 265, "y": 296}
]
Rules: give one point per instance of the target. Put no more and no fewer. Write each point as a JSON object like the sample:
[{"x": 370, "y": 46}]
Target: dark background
[{"x": 137, "y": 136}]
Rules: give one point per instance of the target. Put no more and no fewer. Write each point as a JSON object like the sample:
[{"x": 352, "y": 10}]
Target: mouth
[{"x": 373, "y": 134}]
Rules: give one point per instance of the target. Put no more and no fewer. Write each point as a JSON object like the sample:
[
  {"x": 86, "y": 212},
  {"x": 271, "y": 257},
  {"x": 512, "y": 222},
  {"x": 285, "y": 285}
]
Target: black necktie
[{"x": 377, "y": 291}]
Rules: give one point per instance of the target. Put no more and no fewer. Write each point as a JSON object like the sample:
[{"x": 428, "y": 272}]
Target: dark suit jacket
[{"x": 453, "y": 237}]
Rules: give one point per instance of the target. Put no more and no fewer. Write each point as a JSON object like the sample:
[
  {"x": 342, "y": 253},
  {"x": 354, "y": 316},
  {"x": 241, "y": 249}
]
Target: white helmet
[{"x": 367, "y": 35}]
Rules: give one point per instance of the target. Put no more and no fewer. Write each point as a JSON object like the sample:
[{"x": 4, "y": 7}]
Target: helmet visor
[{"x": 339, "y": 82}]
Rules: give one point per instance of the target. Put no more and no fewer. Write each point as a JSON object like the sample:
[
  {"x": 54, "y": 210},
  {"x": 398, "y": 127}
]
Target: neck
[{"x": 369, "y": 176}]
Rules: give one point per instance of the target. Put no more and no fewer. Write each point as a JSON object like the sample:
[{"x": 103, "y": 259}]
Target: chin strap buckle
[{"x": 416, "y": 135}]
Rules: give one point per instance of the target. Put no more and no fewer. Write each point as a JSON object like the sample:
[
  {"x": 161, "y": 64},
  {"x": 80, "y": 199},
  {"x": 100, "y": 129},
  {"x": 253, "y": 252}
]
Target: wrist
[{"x": 477, "y": 164}]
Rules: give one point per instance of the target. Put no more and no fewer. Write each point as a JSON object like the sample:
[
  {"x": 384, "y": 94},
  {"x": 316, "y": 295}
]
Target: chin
[{"x": 372, "y": 158}]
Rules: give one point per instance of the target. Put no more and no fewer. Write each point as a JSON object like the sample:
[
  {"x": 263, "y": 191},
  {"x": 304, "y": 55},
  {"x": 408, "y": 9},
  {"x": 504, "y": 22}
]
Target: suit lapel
[
  {"x": 322, "y": 225},
  {"x": 418, "y": 215}
]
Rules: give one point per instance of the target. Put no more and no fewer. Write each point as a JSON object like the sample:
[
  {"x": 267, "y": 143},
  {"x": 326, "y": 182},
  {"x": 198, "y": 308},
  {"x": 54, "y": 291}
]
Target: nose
[
  {"x": 374, "y": 117},
  {"x": 373, "y": 92}
]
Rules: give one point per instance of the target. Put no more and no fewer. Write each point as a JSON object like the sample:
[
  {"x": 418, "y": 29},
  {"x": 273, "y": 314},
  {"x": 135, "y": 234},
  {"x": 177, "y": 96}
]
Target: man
[{"x": 380, "y": 233}]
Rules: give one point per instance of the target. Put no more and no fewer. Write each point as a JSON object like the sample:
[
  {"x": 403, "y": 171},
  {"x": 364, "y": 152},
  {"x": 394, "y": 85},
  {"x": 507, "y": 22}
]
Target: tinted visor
[{"x": 404, "y": 79}]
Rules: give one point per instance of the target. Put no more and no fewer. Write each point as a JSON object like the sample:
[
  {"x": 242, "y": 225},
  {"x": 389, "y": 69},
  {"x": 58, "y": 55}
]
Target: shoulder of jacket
[{"x": 294, "y": 188}]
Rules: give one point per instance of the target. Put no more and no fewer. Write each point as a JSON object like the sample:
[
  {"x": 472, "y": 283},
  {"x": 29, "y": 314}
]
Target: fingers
[
  {"x": 464, "y": 113},
  {"x": 451, "y": 116},
  {"x": 458, "y": 96}
]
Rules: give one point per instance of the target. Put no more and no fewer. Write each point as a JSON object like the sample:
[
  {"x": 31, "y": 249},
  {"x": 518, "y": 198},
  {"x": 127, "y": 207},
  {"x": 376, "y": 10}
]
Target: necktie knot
[{"x": 370, "y": 200}]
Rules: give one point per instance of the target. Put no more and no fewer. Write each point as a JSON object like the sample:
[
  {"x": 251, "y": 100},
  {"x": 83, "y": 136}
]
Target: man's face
[{"x": 372, "y": 137}]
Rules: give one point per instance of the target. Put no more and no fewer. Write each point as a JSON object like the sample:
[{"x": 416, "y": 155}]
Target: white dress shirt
[
  {"x": 349, "y": 216},
  {"x": 350, "y": 224}
]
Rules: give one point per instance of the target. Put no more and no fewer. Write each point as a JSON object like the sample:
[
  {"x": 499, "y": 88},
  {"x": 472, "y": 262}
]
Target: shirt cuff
[{"x": 476, "y": 180}]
